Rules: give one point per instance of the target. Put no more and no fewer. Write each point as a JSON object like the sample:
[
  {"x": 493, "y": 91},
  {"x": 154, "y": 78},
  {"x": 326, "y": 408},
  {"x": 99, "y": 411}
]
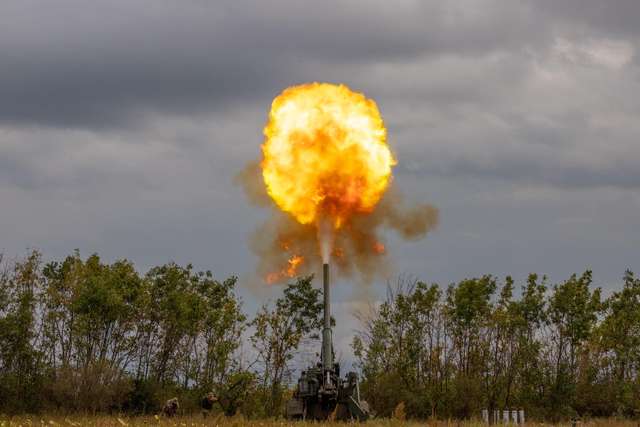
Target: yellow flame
[{"x": 325, "y": 153}]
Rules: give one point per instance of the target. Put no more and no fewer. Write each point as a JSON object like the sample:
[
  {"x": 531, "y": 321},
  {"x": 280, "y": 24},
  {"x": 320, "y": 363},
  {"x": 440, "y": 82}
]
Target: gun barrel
[{"x": 327, "y": 347}]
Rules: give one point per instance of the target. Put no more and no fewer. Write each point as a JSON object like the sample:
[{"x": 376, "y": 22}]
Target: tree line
[
  {"x": 557, "y": 351},
  {"x": 81, "y": 334},
  {"x": 85, "y": 335}
]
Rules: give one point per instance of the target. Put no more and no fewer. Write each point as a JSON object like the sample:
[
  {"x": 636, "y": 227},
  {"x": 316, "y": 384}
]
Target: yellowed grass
[{"x": 220, "y": 421}]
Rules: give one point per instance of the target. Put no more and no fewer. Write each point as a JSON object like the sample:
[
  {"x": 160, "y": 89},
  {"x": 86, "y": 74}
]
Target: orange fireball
[
  {"x": 325, "y": 153},
  {"x": 290, "y": 271}
]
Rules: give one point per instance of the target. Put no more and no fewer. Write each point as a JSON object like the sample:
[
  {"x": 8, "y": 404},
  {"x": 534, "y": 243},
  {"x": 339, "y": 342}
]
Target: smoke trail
[{"x": 325, "y": 238}]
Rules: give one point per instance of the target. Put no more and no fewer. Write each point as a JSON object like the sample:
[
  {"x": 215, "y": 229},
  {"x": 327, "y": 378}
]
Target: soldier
[
  {"x": 171, "y": 407},
  {"x": 207, "y": 403}
]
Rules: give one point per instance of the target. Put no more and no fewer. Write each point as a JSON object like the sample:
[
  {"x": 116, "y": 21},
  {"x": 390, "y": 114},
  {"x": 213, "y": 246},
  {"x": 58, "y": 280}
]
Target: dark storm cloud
[
  {"x": 64, "y": 71},
  {"x": 105, "y": 64}
]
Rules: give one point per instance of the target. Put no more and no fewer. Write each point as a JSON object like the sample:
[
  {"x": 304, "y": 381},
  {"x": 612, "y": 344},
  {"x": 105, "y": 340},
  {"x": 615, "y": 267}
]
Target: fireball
[{"x": 325, "y": 155}]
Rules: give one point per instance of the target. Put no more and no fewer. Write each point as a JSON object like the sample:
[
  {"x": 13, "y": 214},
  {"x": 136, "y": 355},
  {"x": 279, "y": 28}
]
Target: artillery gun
[{"x": 320, "y": 391}]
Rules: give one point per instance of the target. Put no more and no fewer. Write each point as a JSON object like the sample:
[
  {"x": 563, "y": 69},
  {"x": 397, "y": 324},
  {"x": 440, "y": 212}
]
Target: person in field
[
  {"x": 171, "y": 407},
  {"x": 207, "y": 403}
]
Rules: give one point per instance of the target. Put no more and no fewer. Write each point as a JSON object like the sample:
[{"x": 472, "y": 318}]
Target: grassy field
[{"x": 219, "y": 421}]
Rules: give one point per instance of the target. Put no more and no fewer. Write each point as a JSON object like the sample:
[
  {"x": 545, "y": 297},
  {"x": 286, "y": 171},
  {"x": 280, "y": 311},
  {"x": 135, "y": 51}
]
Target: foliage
[
  {"x": 278, "y": 333},
  {"x": 555, "y": 351},
  {"x": 85, "y": 335}
]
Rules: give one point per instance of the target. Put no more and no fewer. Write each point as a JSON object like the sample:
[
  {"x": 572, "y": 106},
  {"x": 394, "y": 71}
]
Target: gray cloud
[
  {"x": 105, "y": 64},
  {"x": 618, "y": 17}
]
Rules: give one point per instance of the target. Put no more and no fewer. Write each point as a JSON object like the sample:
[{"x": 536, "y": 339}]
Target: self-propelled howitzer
[{"x": 320, "y": 391}]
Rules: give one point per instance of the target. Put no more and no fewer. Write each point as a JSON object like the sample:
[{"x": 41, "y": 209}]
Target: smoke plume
[{"x": 357, "y": 249}]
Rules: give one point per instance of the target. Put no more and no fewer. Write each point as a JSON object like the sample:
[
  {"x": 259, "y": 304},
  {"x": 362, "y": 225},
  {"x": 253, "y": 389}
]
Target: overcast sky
[{"x": 123, "y": 123}]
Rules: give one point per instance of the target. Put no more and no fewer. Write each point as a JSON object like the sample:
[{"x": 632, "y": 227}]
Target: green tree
[
  {"x": 176, "y": 309},
  {"x": 89, "y": 317},
  {"x": 572, "y": 314},
  {"x": 468, "y": 308},
  {"x": 619, "y": 338},
  {"x": 499, "y": 350},
  {"x": 222, "y": 326},
  {"x": 21, "y": 370},
  {"x": 399, "y": 350},
  {"x": 278, "y": 332},
  {"x": 530, "y": 316}
]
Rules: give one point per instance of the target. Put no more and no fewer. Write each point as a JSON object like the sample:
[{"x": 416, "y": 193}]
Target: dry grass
[{"x": 219, "y": 421}]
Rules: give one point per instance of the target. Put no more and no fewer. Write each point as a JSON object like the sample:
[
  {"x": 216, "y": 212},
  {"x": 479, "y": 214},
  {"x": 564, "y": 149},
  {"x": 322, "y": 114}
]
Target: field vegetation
[
  {"x": 196, "y": 421},
  {"x": 82, "y": 336}
]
